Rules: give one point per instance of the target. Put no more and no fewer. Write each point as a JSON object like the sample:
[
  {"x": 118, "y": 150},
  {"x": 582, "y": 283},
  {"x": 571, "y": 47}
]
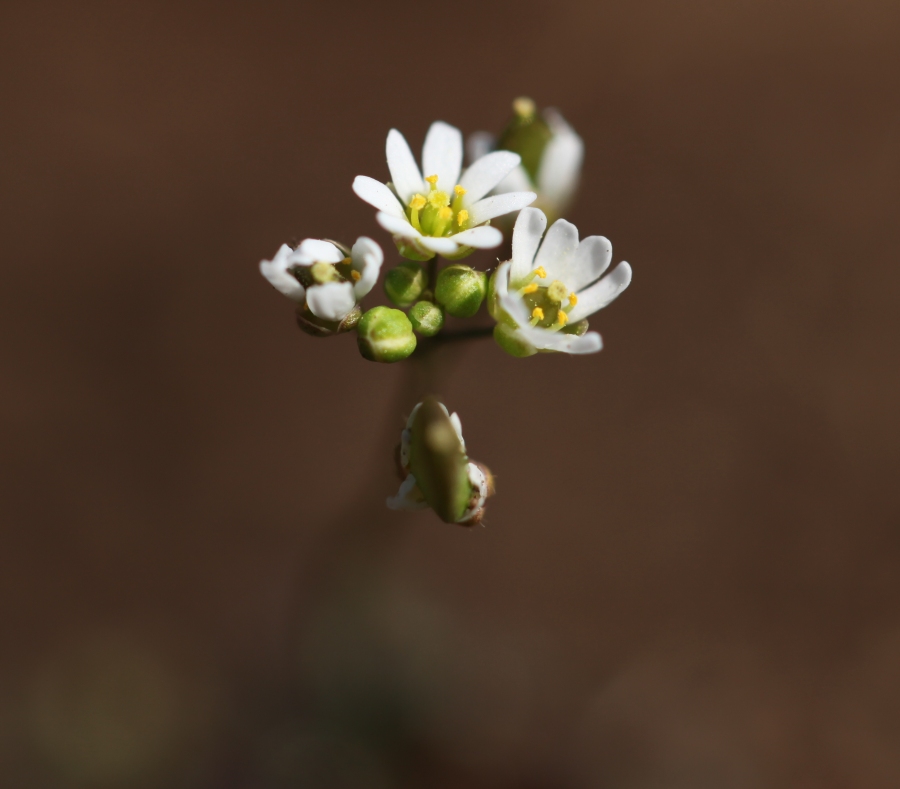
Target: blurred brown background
[{"x": 689, "y": 576}]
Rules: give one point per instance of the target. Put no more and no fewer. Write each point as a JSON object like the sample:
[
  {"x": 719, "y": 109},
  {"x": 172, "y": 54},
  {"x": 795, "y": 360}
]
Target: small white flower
[
  {"x": 410, "y": 496},
  {"x": 321, "y": 275},
  {"x": 444, "y": 213},
  {"x": 559, "y": 171},
  {"x": 549, "y": 287}
]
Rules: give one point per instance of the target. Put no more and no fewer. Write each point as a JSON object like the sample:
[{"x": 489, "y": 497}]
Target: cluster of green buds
[
  {"x": 435, "y": 469},
  {"x": 389, "y": 335}
]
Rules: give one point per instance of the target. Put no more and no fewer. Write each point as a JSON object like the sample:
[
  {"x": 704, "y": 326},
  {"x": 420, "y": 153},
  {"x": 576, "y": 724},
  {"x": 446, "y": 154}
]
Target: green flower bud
[
  {"x": 405, "y": 283},
  {"x": 527, "y": 134},
  {"x": 460, "y": 290},
  {"x": 426, "y": 318},
  {"x": 385, "y": 335}
]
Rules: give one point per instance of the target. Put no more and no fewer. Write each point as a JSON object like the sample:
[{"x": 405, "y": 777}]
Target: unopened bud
[
  {"x": 527, "y": 134},
  {"x": 460, "y": 290},
  {"x": 426, "y": 318},
  {"x": 405, "y": 283},
  {"x": 385, "y": 335}
]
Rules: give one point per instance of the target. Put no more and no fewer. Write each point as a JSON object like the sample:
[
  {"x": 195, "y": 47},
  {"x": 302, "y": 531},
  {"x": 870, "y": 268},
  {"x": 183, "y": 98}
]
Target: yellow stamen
[
  {"x": 356, "y": 276},
  {"x": 458, "y": 190},
  {"x": 462, "y": 216},
  {"x": 537, "y": 313},
  {"x": 532, "y": 288},
  {"x": 417, "y": 203},
  {"x": 562, "y": 318},
  {"x": 573, "y": 299},
  {"x": 432, "y": 179},
  {"x": 445, "y": 213},
  {"x": 541, "y": 272}
]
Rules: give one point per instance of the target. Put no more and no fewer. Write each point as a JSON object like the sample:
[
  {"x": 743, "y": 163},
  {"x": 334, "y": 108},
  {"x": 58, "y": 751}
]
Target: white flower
[
  {"x": 556, "y": 175},
  {"x": 444, "y": 213},
  {"x": 542, "y": 293},
  {"x": 321, "y": 275},
  {"x": 410, "y": 496}
]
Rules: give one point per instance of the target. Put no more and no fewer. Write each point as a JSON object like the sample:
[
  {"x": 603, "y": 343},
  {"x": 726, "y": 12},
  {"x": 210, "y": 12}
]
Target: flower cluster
[{"x": 540, "y": 296}]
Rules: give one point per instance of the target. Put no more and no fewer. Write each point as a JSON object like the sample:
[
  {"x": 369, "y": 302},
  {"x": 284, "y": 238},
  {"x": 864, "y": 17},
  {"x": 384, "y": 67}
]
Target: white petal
[
  {"x": 377, "y": 194},
  {"x": 396, "y": 225},
  {"x": 408, "y": 497},
  {"x": 558, "y": 249},
  {"x": 601, "y": 293},
  {"x": 442, "y": 154},
  {"x": 547, "y": 340},
  {"x": 530, "y": 226},
  {"x": 480, "y": 144},
  {"x": 560, "y": 168},
  {"x": 511, "y": 303},
  {"x": 314, "y": 250},
  {"x": 331, "y": 301},
  {"x": 483, "y": 237},
  {"x": 486, "y": 173},
  {"x": 591, "y": 260},
  {"x": 516, "y": 181},
  {"x": 276, "y": 271},
  {"x": 367, "y": 258},
  {"x": 405, "y": 173},
  {"x": 479, "y": 482},
  {"x": 457, "y": 426},
  {"x": 443, "y": 246},
  {"x": 497, "y": 205}
]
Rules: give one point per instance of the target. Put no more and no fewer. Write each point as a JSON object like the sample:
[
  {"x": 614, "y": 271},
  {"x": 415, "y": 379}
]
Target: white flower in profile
[
  {"x": 445, "y": 212},
  {"x": 432, "y": 446},
  {"x": 542, "y": 296},
  {"x": 552, "y": 155},
  {"x": 328, "y": 279}
]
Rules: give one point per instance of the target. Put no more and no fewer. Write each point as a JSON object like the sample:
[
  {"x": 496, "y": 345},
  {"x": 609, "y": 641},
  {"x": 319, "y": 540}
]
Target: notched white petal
[
  {"x": 396, "y": 226},
  {"x": 442, "y": 154},
  {"x": 315, "y": 250},
  {"x": 486, "y": 173},
  {"x": 483, "y": 237},
  {"x": 527, "y": 234},
  {"x": 332, "y": 301},
  {"x": 276, "y": 271},
  {"x": 497, "y": 205},
  {"x": 366, "y": 258},
  {"x": 601, "y": 293},
  {"x": 405, "y": 173},
  {"x": 558, "y": 248},
  {"x": 443, "y": 246},
  {"x": 591, "y": 259},
  {"x": 377, "y": 194}
]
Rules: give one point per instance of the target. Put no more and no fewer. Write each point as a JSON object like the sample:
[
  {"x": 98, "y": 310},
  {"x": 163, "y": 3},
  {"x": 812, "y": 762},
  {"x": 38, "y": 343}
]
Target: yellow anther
[
  {"x": 462, "y": 217},
  {"x": 537, "y": 313},
  {"x": 523, "y": 107},
  {"x": 458, "y": 190},
  {"x": 532, "y": 288},
  {"x": 417, "y": 203},
  {"x": 541, "y": 272},
  {"x": 355, "y": 275},
  {"x": 562, "y": 318},
  {"x": 445, "y": 213},
  {"x": 432, "y": 179},
  {"x": 573, "y": 299}
]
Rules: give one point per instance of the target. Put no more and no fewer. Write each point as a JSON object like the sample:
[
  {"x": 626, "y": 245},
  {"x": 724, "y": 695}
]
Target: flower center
[
  {"x": 549, "y": 305},
  {"x": 435, "y": 214}
]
